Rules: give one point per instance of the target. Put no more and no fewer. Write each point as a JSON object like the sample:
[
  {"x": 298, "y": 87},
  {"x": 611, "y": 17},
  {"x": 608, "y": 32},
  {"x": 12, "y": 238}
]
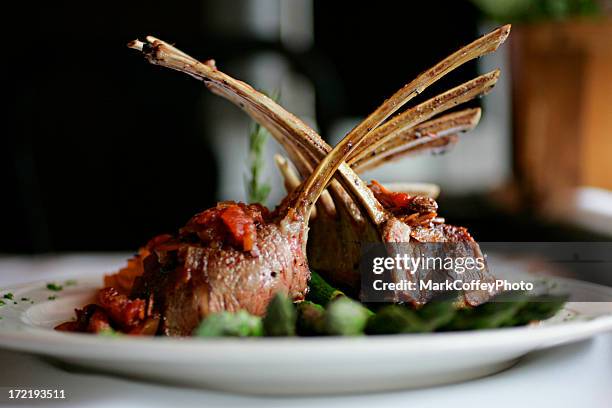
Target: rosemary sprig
[{"x": 256, "y": 189}]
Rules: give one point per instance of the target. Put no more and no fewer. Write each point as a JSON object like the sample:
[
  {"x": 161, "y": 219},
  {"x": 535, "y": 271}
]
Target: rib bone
[
  {"x": 409, "y": 139},
  {"x": 289, "y": 129},
  {"x": 416, "y": 115}
]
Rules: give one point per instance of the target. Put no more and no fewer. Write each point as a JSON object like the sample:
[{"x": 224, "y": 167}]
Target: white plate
[{"x": 289, "y": 365}]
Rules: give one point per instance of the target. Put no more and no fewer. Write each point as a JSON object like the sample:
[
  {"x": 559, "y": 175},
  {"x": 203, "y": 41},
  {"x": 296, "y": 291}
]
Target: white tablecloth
[{"x": 568, "y": 376}]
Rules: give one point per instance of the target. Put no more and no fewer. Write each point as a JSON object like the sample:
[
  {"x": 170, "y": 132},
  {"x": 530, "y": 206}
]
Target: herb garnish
[
  {"x": 24, "y": 299},
  {"x": 52, "y": 297},
  {"x": 257, "y": 192},
  {"x": 2, "y": 303},
  {"x": 70, "y": 282},
  {"x": 8, "y": 296},
  {"x": 54, "y": 287}
]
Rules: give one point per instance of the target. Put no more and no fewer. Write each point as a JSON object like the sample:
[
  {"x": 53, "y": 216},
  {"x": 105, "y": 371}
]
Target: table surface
[{"x": 568, "y": 376}]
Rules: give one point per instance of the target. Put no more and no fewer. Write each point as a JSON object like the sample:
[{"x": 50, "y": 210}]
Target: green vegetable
[
  {"x": 25, "y": 299},
  {"x": 2, "y": 303},
  {"x": 394, "y": 319},
  {"x": 320, "y": 291},
  {"x": 226, "y": 324},
  {"x": 52, "y": 297},
  {"x": 54, "y": 287},
  {"x": 109, "y": 332},
  {"x": 509, "y": 309},
  {"x": 437, "y": 313},
  {"x": 310, "y": 319},
  {"x": 540, "y": 308},
  {"x": 8, "y": 296},
  {"x": 345, "y": 317},
  {"x": 486, "y": 316},
  {"x": 280, "y": 317}
]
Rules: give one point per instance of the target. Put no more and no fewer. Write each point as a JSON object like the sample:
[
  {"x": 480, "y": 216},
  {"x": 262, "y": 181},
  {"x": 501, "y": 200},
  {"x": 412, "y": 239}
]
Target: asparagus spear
[
  {"x": 395, "y": 319},
  {"x": 540, "y": 308},
  {"x": 346, "y": 317},
  {"x": 280, "y": 317},
  {"x": 486, "y": 316},
  {"x": 320, "y": 291},
  {"x": 437, "y": 313},
  {"x": 310, "y": 319},
  {"x": 239, "y": 324}
]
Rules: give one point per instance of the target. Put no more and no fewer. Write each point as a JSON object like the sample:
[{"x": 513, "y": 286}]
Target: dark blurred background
[{"x": 101, "y": 151}]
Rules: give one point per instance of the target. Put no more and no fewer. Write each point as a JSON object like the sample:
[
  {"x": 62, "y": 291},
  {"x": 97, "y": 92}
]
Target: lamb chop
[
  {"x": 235, "y": 256},
  {"x": 231, "y": 257},
  {"x": 299, "y": 139},
  {"x": 334, "y": 225}
]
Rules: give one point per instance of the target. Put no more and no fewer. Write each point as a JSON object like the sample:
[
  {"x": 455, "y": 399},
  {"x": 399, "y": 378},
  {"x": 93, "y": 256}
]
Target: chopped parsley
[
  {"x": 8, "y": 296},
  {"x": 70, "y": 282},
  {"x": 54, "y": 287},
  {"x": 24, "y": 299},
  {"x": 52, "y": 297},
  {"x": 2, "y": 303},
  {"x": 14, "y": 303}
]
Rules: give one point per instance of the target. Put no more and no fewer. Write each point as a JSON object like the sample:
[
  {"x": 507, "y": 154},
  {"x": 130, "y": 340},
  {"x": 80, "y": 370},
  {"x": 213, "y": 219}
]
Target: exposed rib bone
[
  {"x": 431, "y": 135},
  {"x": 316, "y": 183},
  {"x": 304, "y": 166},
  {"x": 418, "y": 139},
  {"x": 418, "y": 114},
  {"x": 286, "y": 127},
  {"x": 432, "y": 144},
  {"x": 292, "y": 180},
  {"x": 408, "y": 139},
  {"x": 477, "y": 48}
]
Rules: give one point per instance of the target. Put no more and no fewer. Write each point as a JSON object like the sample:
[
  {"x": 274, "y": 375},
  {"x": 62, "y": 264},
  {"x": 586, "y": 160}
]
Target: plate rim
[{"x": 31, "y": 339}]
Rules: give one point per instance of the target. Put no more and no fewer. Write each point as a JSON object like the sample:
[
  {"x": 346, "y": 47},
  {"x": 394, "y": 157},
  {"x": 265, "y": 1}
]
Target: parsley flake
[{"x": 54, "y": 287}]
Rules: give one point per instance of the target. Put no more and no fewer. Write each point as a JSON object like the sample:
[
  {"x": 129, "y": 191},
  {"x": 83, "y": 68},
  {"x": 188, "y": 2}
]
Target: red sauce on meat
[
  {"x": 124, "y": 312},
  {"x": 389, "y": 199},
  {"x": 412, "y": 210},
  {"x": 228, "y": 222}
]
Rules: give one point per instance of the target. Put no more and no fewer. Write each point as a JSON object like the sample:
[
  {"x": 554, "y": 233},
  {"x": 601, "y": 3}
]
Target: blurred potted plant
[{"x": 561, "y": 57}]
